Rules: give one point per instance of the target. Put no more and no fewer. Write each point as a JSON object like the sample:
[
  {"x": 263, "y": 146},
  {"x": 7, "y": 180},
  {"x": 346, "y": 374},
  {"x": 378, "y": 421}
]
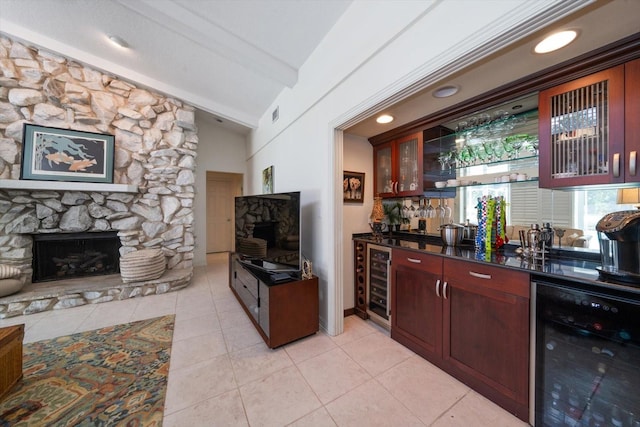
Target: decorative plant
[{"x": 393, "y": 212}]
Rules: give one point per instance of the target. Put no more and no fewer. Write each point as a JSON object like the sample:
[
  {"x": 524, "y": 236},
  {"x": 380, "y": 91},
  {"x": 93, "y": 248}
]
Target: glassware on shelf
[
  {"x": 488, "y": 149},
  {"x": 445, "y": 160},
  {"x": 447, "y": 210},
  {"x": 440, "y": 211},
  {"x": 406, "y": 212},
  {"x": 481, "y": 153},
  {"x": 431, "y": 212},
  {"x": 509, "y": 148},
  {"x": 498, "y": 149},
  {"x": 532, "y": 144}
]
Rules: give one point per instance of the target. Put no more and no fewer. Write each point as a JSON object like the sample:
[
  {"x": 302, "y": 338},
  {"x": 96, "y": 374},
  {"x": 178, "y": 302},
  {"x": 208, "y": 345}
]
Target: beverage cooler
[
  {"x": 587, "y": 357},
  {"x": 379, "y": 285}
]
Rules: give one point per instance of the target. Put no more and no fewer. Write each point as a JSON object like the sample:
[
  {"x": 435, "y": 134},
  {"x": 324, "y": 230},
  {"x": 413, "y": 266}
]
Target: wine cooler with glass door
[{"x": 379, "y": 284}]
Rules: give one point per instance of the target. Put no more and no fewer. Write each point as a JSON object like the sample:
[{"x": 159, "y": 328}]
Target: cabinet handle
[
  {"x": 438, "y": 288},
  {"x": 444, "y": 289},
  {"x": 415, "y": 261},
  {"x": 395, "y": 187},
  {"x": 480, "y": 275},
  {"x": 632, "y": 163},
  {"x": 616, "y": 165}
]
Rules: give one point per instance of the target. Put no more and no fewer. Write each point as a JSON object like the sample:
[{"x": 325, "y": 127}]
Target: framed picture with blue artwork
[{"x": 54, "y": 154}]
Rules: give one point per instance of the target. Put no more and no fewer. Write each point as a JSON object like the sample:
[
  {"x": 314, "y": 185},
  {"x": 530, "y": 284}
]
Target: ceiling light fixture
[
  {"x": 385, "y": 118},
  {"x": 555, "y": 41},
  {"x": 118, "y": 41},
  {"x": 445, "y": 91}
]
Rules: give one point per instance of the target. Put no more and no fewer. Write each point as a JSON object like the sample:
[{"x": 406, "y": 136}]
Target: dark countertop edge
[{"x": 585, "y": 275}]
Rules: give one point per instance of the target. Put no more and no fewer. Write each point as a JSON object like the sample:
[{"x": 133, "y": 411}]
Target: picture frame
[
  {"x": 353, "y": 187},
  {"x": 267, "y": 180},
  {"x": 55, "y": 154}
]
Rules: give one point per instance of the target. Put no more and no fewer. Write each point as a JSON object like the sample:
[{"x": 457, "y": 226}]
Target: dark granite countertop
[{"x": 571, "y": 266}]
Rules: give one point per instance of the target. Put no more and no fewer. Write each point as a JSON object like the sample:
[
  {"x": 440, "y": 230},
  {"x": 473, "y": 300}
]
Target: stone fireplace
[
  {"x": 150, "y": 203},
  {"x": 62, "y": 256}
]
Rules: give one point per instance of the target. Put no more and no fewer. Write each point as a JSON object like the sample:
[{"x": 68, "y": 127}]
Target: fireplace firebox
[{"x": 69, "y": 255}]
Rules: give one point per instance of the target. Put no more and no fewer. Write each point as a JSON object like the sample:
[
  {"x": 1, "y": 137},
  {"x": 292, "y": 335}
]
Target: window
[{"x": 527, "y": 204}]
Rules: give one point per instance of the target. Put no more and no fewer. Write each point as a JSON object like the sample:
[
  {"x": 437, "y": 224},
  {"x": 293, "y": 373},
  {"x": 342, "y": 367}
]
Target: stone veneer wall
[{"x": 155, "y": 148}]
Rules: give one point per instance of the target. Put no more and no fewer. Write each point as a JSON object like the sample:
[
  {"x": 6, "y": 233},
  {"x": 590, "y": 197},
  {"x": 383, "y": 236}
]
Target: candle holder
[{"x": 560, "y": 234}]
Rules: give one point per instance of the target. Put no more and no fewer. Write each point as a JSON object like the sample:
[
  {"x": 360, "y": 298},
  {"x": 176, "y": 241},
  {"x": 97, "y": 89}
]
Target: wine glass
[
  {"x": 488, "y": 149},
  {"x": 431, "y": 212},
  {"x": 447, "y": 210},
  {"x": 517, "y": 144},
  {"x": 406, "y": 213},
  {"x": 532, "y": 144},
  {"x": 440, "y": 211},
  {"x": 498, "y": 149},
  {"x": 445, "y": 159},
  {"x": 481, "y": 153},
  {"x": 508, "y": 147}
]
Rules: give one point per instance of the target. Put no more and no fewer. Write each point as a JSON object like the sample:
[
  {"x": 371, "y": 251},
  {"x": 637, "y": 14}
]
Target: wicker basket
[{"x": 142, "y": 265}]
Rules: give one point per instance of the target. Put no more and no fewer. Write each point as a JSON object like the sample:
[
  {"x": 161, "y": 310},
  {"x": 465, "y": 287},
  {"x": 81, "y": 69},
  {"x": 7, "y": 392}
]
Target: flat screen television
[{"x": 267, "y": 232}]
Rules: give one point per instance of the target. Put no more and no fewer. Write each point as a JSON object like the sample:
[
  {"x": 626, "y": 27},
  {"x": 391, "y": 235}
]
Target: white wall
[
  {"x": 219, "y": 150},
  {"x": 358, "y": 157},
  {"x": 374, "y": 51}
]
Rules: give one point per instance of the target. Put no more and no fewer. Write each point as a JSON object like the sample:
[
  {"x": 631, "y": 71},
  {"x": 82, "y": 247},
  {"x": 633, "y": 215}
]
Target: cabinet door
[
  {"x": 416, "y": 313},
  {"x": 581, "y": 131},
  {"x": 409, "y": 165},
  {"x": 384, "y": 174},
  {"x": 398, "y": 167},
  {"x": 486, "y": 331},
  {"x": 632, "y": 123}
]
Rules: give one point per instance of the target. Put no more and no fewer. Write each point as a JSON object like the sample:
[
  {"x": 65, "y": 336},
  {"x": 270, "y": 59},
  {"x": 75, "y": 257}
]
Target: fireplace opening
[
  {"x": 69, "y": 255},
  {"x": 266, "y": 231}
]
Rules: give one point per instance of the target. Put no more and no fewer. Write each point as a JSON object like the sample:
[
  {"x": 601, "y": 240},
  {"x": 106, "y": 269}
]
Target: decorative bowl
[{"x": 441, "y": 184}]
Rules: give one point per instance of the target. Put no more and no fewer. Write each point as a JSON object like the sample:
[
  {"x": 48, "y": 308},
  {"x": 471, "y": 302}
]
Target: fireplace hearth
[{"x": 69, "y": 255}]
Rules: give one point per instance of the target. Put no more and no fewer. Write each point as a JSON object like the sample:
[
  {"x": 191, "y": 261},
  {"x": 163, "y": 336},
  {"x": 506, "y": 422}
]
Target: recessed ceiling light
[
  {"x": 445, "y": 91},
  {"x": 555, "y": 41},
  {"x": 385, "y": 118},
  {"x": 118, "y": 41}
]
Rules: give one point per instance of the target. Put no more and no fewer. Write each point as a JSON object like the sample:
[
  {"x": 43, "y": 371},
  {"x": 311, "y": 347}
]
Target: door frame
[{"x": 236, "y": 179}]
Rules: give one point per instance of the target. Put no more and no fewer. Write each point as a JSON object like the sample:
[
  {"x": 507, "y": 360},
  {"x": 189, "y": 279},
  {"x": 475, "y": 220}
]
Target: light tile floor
[{"x": 222, "y": 373}]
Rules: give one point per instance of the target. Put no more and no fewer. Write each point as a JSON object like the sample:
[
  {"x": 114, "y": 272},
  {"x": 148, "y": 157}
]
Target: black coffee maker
[{"x": 619, "y": 238}]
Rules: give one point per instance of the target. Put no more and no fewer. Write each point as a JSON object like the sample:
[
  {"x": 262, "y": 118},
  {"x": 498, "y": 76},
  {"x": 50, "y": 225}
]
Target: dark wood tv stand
[{"x": 281, "y": 312}]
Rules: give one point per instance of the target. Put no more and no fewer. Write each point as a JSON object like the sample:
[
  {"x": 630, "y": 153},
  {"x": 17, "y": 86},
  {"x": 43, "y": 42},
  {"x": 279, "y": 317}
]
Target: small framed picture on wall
[
  {"x": 353, "y": 187},
  {"x": 267, "y": 180}
]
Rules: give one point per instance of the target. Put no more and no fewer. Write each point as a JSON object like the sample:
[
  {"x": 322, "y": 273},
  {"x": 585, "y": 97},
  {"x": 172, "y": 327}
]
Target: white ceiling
[{"x": 231, "y": 58}]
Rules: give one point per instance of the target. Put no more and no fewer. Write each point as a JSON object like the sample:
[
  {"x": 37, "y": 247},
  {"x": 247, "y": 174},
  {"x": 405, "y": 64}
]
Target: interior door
[{"x": 219, "y": 212}]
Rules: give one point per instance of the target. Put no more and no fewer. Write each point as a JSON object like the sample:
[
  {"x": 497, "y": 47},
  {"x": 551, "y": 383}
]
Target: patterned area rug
[{"x": 111, "y": 376}]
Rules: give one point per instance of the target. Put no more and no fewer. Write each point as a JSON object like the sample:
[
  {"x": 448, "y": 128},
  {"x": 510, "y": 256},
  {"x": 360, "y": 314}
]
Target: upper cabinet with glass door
[
  {"x": 398, "y": 167},
  {"x": 589, "y": 129},
  {"x": 486, "y": 148}
]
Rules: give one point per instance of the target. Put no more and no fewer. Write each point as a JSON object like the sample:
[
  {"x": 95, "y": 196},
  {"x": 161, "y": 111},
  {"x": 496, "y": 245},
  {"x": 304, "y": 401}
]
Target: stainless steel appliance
[
  {"x": 587, "y": 353},
  {"x": 379, "y": 284},
  {"x": 619, "y": 238}
]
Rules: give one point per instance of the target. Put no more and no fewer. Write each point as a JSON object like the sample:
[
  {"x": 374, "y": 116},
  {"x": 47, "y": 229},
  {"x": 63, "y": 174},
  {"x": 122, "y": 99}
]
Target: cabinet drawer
[
  {"x": 249, "y": 282},
  {"x": 464, "y": 273},
  {"x": 249, "y": 300},
  {"x": 430, "y": 263}
]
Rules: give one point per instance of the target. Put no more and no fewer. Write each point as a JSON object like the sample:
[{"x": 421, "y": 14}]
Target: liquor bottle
[
  {"x": 616, "y": 417},
  {"x": 573, "y": 414},
  {"x": 554, "y": 415}
]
